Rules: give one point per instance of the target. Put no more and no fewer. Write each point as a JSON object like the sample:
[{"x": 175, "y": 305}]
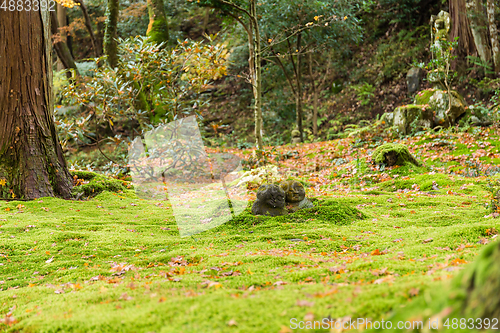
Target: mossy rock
[
  {"x": 424, "y": 96},
  {"x": 477, "y": 287},
  {"x": 412, "y": 118},
  {"x": 391, "y": 154},
  {"x": 90, "y": 184},
  {"x": 329, "y": 211},
  {"x": 438, "y": 101}
]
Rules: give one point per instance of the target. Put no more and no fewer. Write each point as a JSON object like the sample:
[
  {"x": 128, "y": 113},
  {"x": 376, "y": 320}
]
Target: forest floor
[{"x": 377, "y": 240}]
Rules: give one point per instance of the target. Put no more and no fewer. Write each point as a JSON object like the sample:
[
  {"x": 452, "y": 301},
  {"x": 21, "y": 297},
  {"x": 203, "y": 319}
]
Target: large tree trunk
[
  {"x": 31, "y": 160},
  {"x": 460, "y": 27},
  {"x": 495, "y": 46},
  {"x": 110, "y": 43},
  {"x": 479, "y": 28},
  {"x": 158, "y": 25}
]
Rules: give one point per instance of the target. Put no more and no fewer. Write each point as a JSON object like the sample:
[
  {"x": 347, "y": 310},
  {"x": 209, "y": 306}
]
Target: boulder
[
  {"x": 438, "y": 101},
  {"x": 413, "y": 79},
  {"x": 412, "y": 118},
  {"x": 270, "y": 201},
  {"x": 391, "y": 154}
]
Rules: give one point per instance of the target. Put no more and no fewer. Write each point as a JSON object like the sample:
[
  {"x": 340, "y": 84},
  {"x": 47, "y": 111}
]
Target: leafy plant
[
  {"x": 152, "y": 84},
  {"x": 484, "y": 67},
  {"x": 364, "y": 93}
]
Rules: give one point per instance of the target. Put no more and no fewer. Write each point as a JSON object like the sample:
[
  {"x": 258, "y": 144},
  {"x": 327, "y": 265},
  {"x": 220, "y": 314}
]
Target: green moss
[
  {"x": 158, "y": 31},
  {"x": 90, "y": 184},
  {"x": 393, "y": 154},
  {"x": 473, "y": 293},
  {"x": 329, "y": 211},
  {"x": 423, "y": 97},
  {"x": 285, "y": 259},
  {"x": 424, "y": 182}
]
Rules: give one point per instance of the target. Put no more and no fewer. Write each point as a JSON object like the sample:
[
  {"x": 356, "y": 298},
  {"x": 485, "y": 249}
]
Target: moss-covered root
[
  {"x": 393, "y": 154},
  {"x": 480, "y": 285}
]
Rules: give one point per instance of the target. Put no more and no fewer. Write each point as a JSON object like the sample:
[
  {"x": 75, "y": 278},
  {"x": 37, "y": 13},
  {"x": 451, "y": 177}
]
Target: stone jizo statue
[
  {"x": 295, "y": 195},
  {"x": 270, "y": 201}
]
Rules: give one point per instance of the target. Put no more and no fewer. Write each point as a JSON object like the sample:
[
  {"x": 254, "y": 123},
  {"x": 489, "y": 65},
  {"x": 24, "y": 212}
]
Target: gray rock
[
  {"x": 413, "y": 79},
  {"x": 439, "y": 103}
]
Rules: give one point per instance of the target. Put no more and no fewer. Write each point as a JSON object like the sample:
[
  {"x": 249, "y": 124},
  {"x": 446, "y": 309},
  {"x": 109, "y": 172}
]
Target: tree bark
[
  {"x": 461, "y": 28},
  {"x": 479, "y": 29},
  {"x": 158, "y": 26},
  {"x": 88, "y": 25},
  {"x": 495, "y": 46},
  {"x": 62, "y": 49},
  {"x": 110, "y": 43},
  {"x": 31, "y": 159}
]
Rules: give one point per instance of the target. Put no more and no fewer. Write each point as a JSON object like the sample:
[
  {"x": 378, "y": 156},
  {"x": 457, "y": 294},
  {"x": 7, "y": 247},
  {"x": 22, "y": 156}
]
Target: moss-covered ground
[{"x": 377, "y": 241}]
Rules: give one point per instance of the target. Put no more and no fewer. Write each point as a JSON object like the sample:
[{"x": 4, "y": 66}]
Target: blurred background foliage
[{"x": 360, "y": 52}]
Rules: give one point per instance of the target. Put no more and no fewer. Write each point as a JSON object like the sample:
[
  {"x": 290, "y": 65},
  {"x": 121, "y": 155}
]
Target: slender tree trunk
[
  {"x": 315, "y": 97},
  {"x": 110, "y": 43},
  {"x": 298, "y": 96},
  {"x": 257, "y": 84},
  {"x": 158, "y": 26},
  {"x": 61, "y": 47},
  {"x": 479, "y": 29},
  {"x": 61, "y": 22},
  {"x": 254, "y": 61},
  {"x": 31, "y": 160},
  {"x": 495, "y": 46},
  {"x": 88, "y": 25},
  {"x": 206, "y": 19}
]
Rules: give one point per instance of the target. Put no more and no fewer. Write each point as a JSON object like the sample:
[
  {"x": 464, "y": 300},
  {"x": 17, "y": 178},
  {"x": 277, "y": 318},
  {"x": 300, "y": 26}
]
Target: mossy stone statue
[
  {"x": 296, "y": 136},
  {"x": 295, "y": 195},
  {"x": 270, "y": 201},
  {"x": 391, "y": 154}
]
